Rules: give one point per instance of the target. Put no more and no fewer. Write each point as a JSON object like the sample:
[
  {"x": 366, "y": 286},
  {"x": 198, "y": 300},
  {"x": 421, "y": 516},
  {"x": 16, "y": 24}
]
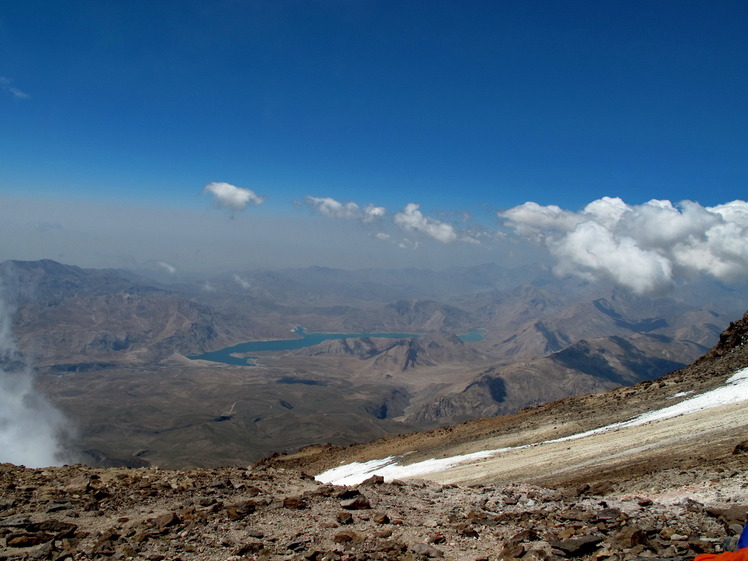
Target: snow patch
[
  {"x": 680, "y": 394},
  {"x": 356, "y": 472},
  {"x": 735, "y": 390}
]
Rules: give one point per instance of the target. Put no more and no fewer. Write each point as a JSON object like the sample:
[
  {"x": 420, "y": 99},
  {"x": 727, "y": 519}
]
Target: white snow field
[{"x": 734, "y": 390}]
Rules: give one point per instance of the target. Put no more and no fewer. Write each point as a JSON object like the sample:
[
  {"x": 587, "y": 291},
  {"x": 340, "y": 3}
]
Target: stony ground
[{"x": 77, "y": 512}]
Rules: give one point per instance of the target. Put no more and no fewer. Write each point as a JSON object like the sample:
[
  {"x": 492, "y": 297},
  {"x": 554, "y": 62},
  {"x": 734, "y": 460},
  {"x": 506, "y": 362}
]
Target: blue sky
[{"x": 458, "y": 107}]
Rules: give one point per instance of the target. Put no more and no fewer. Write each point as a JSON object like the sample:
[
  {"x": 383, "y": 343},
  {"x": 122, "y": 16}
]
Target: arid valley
[{"x": 110, "y": 350}]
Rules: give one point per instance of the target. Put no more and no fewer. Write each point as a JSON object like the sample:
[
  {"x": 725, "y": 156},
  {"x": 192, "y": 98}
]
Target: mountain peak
[{"x": 731, "y": 339}]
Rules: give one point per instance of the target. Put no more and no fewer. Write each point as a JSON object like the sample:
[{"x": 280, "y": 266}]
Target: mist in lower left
[{"x": 33, "y": 432}]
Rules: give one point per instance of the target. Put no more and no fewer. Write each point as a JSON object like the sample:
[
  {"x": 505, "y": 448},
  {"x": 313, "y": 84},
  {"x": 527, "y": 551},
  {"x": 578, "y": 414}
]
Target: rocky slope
[
  {"x": 266, "y": 513},
  {"x": 399, "y": 354}
]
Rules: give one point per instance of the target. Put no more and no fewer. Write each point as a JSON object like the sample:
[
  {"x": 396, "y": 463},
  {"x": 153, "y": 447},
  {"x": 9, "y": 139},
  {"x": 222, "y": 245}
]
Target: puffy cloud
[
  {"x": 643, "y": 247},
  {"x": 606, "y": 211},
  {"x": 735, "y": 211},
  {"x": 232, "y": 197},
  {"x": 372, "y": 213},
  {"x": 659, "y": 224},
  {"x": 532, "y": 220},
  {"x": 593, "y": 248},
  {"x": 723, "y": 249},
  {"x": 411, "y": 219},
  {"x": 327, "y": 206}
]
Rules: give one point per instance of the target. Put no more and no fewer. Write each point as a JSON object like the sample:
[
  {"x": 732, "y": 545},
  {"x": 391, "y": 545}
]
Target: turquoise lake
[{"x": 305, "y": 340}]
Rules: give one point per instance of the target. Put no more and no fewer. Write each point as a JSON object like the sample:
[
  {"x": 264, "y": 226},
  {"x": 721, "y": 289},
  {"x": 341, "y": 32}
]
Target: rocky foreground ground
[{"x": 77, "y": 512}]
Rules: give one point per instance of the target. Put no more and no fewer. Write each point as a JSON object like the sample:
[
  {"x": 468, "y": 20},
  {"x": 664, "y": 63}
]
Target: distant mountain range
[{"x": 109, "y": 348}]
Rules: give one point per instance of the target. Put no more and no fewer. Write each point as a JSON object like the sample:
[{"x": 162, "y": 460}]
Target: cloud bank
[
  {"x": 232, "y": 197},
  {"x": 643, "y": 247},
  {"x": 31, "y": 428}
]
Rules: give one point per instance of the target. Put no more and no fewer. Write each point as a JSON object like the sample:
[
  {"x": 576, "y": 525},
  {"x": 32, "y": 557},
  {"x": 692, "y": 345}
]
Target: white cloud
[
  {"x": 470, "y": 239},
  {"x": 532, "y": 220},
  {"x": 232, "y": 197},
  {"x": 643, "y": 247},
  {"x": 411, "y": 219},
  {"x": 592, "y": 247},
  {"x": 327, "y": 206},
  {"x": 241, "y": 282},
  {"x": 32, "y": 430},
  {"x": 606, "y": 211},
  {"x": 735, "y": 211},
  {"x": 7, "y": 85},
  {"x": 372, "y": 213},
  {"x": 168, "y": 267},
  {"x": 659, "y": 224},
  {"x": 407, "y": 244}
]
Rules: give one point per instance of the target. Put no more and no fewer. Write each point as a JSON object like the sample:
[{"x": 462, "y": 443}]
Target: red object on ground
[{"x": 739, "y": 555}]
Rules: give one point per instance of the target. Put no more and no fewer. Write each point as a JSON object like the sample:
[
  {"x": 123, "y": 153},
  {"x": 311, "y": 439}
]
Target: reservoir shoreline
[{"x": 305, "y": 339}]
